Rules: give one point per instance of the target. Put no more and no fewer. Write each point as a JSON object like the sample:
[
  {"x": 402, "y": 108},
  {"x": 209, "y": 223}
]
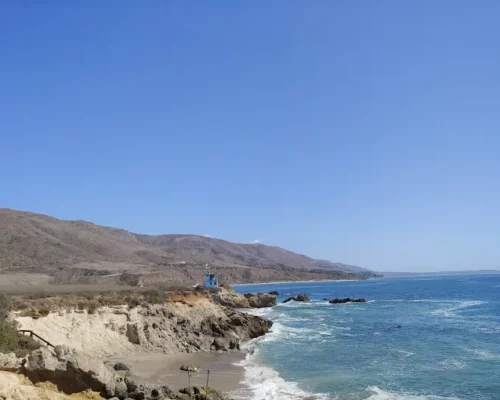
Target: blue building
[{"x": 211, "y": 281}]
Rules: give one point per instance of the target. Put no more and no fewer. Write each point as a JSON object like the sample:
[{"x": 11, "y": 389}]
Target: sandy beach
[{"x": 164, "y": 369}]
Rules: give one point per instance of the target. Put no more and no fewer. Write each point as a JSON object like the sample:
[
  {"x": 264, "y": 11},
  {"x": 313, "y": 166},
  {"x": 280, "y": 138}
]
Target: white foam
[
  {"x": 484, "y": 355},
  {"x": 260, "y": 312},
  {"x": 452, "y": 364},
  {"x": 379, "y": 394},
  {"x": 314, "y": 303},
  {"x": 451, "y": 311},
  {"x": 404, "y": 353},
  {"x": 282, "y": 332},
  {"x": 263, "y": 382},
  {"x": 432, "y": 301},
  {"x": 393, "y": 300}
]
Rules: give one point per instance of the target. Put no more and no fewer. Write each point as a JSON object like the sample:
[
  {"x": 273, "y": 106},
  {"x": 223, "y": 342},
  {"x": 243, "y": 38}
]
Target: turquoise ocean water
[{"x": 416, "y": 338}]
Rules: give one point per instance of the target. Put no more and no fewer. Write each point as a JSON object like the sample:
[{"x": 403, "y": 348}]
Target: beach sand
[{"x": 164, "y": 369}]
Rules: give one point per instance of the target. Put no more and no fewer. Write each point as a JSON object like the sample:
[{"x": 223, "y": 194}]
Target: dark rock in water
[
  {"x": 346, "y": 300},
  {"x": 119, "y": 366},
  {"x": 274, "y": 293},
  {"x": 298, "y": 297}
]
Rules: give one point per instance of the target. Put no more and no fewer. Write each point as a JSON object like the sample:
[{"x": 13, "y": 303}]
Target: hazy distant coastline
[{"x": 439, "y": 273}]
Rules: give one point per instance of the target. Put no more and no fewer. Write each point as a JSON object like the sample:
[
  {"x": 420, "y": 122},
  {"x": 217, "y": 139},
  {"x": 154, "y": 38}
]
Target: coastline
[{"x": 153, "y": 340}]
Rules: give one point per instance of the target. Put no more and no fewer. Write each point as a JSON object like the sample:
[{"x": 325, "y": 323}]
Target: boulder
[
  {"x": 261, "y": 300},
  {"x": 12, "y": 388},
  {"x": 220, "y": 344},
  {"x": 190, "y": 368},
  {"x": 298, "y": 297},
  {"x": 73, "y": 372},
  {"x": 200, "y": 393},
  {"x": 247, "y": 326},
  {"x": 346, "y": 300},
  {"x": 229, "y": 298},
  {"x": 274, "y": 293},
  {"x": 10, "y": 362},
  {"x": 133, "y": 334},
  {"x": 119, "y": 366},
  {"x": 145, "y": 391}
]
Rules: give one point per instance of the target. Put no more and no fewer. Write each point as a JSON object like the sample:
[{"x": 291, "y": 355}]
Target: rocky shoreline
[{"x": 186, "y": 322}]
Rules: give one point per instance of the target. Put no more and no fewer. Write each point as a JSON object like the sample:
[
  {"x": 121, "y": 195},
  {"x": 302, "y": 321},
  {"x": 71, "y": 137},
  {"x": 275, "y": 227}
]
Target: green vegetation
[{"x": 11, "y": 341}]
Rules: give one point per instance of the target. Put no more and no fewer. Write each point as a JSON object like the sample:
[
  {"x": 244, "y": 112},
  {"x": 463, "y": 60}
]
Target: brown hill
[{"x": 31, "y": 241}]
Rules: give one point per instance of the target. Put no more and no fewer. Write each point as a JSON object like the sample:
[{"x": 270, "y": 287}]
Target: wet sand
[{"x": 164, "y": 369}]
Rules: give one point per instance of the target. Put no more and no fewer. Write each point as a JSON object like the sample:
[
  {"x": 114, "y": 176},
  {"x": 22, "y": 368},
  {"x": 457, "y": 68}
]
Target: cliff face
[
  {"x": 15, "y": 386},
  {"x": 185, "y": 323}
]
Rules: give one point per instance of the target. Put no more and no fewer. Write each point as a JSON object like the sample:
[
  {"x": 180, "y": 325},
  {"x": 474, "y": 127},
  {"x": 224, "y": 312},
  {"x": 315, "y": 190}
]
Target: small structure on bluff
[{"x": 211, "y": 281}]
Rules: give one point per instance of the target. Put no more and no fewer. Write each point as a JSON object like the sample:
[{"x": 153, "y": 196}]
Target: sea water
[{"x": 415, "y": 339}]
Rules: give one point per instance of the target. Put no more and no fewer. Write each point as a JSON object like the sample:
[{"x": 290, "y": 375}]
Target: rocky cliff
[
  {"x": 186, "y": 322},
  {"x": 85, "y": 338}
]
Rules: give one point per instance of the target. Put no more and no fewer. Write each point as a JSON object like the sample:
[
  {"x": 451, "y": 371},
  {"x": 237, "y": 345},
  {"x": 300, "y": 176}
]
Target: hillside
[{"x": 38, "y": 243}]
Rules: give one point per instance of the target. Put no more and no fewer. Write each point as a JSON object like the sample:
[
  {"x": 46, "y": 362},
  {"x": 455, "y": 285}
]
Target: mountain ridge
[{"x": 35, "y": 240}]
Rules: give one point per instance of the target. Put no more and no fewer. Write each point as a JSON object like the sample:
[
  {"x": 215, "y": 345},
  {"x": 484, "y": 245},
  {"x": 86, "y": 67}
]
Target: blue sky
[{"x": 361, "y": 132}]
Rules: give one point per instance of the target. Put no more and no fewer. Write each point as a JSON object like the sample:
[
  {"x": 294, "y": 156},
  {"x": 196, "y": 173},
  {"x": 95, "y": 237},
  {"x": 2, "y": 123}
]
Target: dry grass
[{"x": 40, "y": 304}]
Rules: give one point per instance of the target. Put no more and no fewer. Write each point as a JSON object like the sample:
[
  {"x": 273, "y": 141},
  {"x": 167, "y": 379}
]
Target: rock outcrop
[
  {"x": 186, "y": 324},
  {"x": 71, "y": 372},
  {"x": 346, "y": 300},
  {"x": 10, "y": 362},
  {"x": 199, "y": 393},
  {"x": 261, "y": 300},
  {"x": 140, "y": 391},
  {"x": 229, "y": 298},
  {"x": 298, "y": 297},
  {"x": 15, "y": 387}
]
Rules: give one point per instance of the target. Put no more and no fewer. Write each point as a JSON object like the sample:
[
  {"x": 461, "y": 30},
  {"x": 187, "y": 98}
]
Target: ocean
[{"x": 416, "y": 338}]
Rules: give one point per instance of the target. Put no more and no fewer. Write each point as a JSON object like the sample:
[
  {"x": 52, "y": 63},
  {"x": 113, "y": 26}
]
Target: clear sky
[{"x": 366, "y": 132}]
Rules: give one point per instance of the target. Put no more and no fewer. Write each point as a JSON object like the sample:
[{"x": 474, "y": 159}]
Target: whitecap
[
  {"x": 484, "y": 355},
  {"x": 404, "y": 353},
  {"x": 263, "y": 382},
  {"x": 452, "y": 364},
  {"x": 379, "y": 394},
  {"x": 451, "y": 311},
  {"x": 432, "y": 301}
]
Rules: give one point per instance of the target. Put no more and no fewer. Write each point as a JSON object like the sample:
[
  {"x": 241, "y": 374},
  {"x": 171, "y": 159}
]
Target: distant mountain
[
  {"x": 201, "y": 249},
  {"x": 29, "y": 240}
]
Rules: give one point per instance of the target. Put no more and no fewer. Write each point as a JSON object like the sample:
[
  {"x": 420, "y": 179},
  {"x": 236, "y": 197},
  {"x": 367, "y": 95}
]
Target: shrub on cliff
[
  {"x": 4, "y": 307},
  {"x": 11, "y": 341},
  {"x": 156, "y": 296}
]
